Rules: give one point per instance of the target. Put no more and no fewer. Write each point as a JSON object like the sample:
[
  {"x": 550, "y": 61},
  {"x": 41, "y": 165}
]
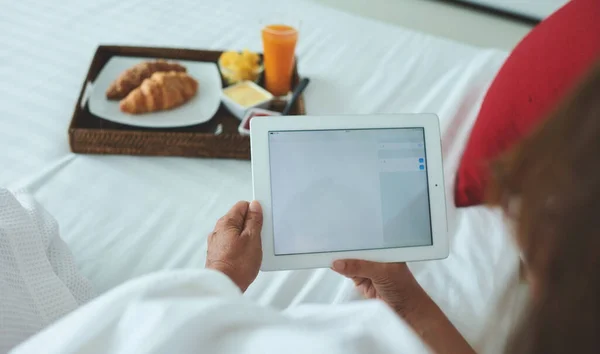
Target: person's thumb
[
  {"x": 254, "y": 219},
  {"x": 359, "y": 268}
]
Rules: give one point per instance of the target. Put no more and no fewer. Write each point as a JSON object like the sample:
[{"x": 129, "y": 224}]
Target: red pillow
[{"x": 538, "y": 73}]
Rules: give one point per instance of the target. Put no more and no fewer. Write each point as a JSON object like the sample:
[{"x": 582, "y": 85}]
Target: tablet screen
[{"x": 344, "y": 190}]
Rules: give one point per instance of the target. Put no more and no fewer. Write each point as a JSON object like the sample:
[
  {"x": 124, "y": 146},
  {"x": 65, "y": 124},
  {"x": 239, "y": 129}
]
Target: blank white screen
[{"x": 341, "y": 190}]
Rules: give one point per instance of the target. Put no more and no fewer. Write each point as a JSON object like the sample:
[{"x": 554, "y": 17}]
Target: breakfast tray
[{"x": 217, "y": 138}]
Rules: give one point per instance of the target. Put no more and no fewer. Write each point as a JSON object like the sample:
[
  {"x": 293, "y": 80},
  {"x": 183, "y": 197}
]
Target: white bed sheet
[{"x": 125, "y": 216}]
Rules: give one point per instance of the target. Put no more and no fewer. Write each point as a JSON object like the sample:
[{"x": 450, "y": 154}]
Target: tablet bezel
[{"x": 261, "y": 180}]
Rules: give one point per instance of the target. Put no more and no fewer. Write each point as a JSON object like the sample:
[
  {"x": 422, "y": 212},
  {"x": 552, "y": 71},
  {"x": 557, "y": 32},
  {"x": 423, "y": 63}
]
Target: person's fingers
[
  {"x": 360, "y": 281},
  {"x": 359, "y": 268},
  {"x": 235, "y": 217},
  {"x": 254, "y": 219}
]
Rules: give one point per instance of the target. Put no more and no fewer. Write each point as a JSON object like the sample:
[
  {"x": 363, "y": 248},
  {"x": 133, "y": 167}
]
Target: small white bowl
[
  {"x": 238, "y": 109},
  {"x": 244, "y": 127}
]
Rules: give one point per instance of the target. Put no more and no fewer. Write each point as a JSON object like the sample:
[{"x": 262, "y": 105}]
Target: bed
[{"x": 124, "y": 216}]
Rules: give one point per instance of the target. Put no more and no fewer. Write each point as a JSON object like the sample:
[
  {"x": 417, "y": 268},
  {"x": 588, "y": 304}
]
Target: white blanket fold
[
  {"x": 202, "y": 311},
  {"x": 179, "y": 311}
]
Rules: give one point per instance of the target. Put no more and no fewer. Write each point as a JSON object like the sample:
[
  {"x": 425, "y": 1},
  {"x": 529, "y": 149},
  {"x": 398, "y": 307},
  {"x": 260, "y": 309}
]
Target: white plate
[{"x": 198, "y": 110}]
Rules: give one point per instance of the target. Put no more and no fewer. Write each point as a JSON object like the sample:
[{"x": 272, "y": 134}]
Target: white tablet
[{"x": 334, "y": 187}]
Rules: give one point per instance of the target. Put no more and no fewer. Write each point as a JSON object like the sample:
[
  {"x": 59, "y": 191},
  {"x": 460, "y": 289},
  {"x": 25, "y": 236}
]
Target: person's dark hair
[{"x": 554, "y": 178}]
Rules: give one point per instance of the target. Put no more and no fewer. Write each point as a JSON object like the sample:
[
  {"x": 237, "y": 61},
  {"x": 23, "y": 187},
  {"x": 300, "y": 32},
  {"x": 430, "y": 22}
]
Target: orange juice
[{"x": 279, "y": 44}]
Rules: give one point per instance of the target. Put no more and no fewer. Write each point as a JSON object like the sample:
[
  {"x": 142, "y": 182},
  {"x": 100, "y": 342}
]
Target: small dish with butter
[{"x": 242, "y": 96}]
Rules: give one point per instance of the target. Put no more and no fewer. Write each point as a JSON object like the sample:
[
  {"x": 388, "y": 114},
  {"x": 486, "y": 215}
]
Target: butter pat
[{"x": 244, "y": 95}]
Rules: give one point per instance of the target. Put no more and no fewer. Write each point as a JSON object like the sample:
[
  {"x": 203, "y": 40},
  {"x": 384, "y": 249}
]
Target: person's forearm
[{"x": 434, "y": 328}]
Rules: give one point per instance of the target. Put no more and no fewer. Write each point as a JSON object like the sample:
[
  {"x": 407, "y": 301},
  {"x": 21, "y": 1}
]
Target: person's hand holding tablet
[
  {"x": 349, "y": 187},
  {"x": 359, "y": 194},
  {"x": 234, "y": 249}
]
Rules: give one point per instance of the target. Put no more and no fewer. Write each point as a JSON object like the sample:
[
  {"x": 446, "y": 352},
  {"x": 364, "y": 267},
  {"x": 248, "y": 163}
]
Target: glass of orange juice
[{"x": 279, "y": 45}]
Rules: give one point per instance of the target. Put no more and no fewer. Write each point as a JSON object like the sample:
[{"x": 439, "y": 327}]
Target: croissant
[
  {"x": 162, "y": 91},
  {"x": 134, "y": 76}
]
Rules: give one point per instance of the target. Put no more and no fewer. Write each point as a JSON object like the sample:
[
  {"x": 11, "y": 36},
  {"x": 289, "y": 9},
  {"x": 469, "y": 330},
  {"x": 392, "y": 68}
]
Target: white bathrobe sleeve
[
  {"x": 39, "y": 281},
  {"x": 202, "y": 311}
]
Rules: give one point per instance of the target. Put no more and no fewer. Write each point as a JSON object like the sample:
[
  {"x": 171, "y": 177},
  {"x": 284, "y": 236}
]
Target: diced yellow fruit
[{"x": 241, "y": 65}]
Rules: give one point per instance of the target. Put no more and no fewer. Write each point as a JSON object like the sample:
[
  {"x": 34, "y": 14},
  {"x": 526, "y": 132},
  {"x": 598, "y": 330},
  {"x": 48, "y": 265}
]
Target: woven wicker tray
[{"x": 93, "y": 135}]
